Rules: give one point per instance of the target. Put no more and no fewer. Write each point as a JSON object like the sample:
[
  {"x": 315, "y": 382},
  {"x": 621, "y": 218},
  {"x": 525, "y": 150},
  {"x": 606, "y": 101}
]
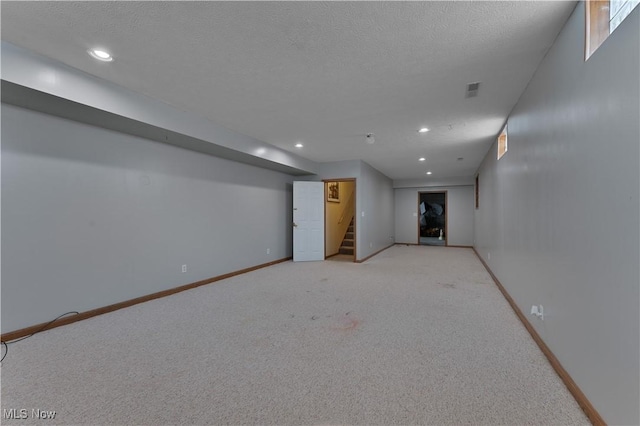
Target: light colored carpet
[{"x": 415, "y": 335}]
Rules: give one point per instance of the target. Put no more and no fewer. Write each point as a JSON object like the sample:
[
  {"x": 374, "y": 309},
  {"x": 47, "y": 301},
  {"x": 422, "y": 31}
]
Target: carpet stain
[
  {"x": 324, "y": 280},
  {"x": 447, "y": 285},
  {"x": 346, "y": 324}
]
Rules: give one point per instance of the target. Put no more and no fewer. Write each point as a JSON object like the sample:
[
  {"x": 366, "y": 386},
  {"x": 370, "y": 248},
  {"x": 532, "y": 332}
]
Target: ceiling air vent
[{"x": 472, "y": 89}]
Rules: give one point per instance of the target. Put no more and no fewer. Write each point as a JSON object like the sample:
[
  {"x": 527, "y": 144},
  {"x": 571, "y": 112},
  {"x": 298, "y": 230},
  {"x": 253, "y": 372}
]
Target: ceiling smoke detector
[
  {"x": 370, "y": 138},
  {"x": 472, "y": 89}
]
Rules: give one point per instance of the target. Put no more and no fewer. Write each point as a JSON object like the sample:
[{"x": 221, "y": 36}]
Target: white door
[{"x": 308, "y": 221}]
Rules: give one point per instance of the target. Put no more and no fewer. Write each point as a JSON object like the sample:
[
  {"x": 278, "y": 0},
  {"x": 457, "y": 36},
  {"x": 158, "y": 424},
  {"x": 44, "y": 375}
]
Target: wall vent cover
[{"x": 472, "y": 89}]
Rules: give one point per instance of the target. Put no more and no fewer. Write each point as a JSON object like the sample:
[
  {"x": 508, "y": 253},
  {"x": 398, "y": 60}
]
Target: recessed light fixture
[
  {"x": 299, "y": 145},
  {"x": 101, "y": 55},
  {"x": 423, "y": 130},
  {"x": 421, "y": 159},
  {"x": 428, "y": 173}
]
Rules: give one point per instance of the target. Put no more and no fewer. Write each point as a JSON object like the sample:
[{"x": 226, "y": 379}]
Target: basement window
[
  {"x": 602, "y": 18},
  {"x": 502, "y": 143}
]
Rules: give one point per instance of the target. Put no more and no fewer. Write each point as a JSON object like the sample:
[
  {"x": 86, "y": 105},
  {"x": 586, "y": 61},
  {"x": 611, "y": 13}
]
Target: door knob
[{"x": 295, "y": 225}]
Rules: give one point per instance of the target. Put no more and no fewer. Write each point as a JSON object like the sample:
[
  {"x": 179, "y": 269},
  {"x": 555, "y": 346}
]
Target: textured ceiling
[{"x": 321, "y": 73}]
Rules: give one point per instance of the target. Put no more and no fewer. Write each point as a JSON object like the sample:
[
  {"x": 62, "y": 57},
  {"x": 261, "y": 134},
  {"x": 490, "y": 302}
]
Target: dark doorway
[{"x": 432, "y": 218}]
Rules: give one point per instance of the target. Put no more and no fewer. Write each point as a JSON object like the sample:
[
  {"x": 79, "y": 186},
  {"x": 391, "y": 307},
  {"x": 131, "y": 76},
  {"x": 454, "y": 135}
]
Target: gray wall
[
  {"x": 558, "y": 219},
  {"x": 93, "y": 217},
  {"x": 377, "y": 205},
  {"x": 460, "y": 205}
]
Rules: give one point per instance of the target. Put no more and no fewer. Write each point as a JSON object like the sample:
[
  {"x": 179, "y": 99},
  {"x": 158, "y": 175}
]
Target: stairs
[{"x": 347, "y": 245}]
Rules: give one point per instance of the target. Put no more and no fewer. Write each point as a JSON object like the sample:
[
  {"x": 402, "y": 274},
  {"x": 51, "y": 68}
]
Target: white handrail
[{"x": 347, "y": 208}]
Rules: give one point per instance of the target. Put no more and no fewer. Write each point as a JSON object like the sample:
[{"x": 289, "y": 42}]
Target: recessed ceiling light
[
  {"x": 421, "y": 159},
  {"x": 299, "y": 145},
  {"x": 101, "y": 55},
  {"x": 428, "y": 173},
  {"x": 423, "y": 130}
]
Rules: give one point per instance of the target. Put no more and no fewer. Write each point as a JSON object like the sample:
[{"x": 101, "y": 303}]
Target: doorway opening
[
  {"x": 340, "y": 219},
  {"x": 432, "y": 218}
]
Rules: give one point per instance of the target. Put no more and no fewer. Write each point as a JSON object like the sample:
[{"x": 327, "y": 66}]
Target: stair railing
[
  {"x": 348, "y": 209},
  {"x": 346, "y": 216}
]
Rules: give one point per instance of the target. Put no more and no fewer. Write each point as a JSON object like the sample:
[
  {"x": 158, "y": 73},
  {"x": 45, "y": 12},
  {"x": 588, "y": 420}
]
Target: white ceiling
[{"x": 321, "y": 73}]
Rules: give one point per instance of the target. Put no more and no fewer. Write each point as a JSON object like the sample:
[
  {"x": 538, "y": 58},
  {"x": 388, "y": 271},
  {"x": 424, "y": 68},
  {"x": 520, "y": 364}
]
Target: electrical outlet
[
  {"x": 538, "y": 311},
  {"x": 488, "y": 256},
  {"x": 184, "y": 268},
  {"x": 362, "y": 214},
  {"x": 268, "y": 251},
  {"x": 370, "y": 245}
]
